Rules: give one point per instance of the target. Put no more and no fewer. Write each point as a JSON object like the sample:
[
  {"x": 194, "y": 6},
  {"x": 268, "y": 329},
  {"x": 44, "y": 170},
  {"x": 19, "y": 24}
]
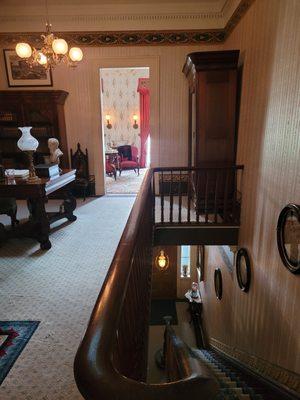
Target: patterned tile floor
[{"x": 59, "y": 288}]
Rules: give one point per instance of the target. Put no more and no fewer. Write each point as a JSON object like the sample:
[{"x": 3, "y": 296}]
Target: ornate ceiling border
[
  {"x": 237, "y": 16},
  {"x": 129, "y": 38},
  {"x": 137, "y": 38}
]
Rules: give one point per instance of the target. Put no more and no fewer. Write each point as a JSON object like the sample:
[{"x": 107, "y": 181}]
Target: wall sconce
[
  {"x": 135, "y": 124},
  {"x": 162, "y": 261},
  {"x": 108, "y": 124}
]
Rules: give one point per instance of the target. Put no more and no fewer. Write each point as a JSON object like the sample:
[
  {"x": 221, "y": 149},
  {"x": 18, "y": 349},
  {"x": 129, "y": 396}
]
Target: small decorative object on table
[
  {"x": 29, "y": 144},
  {"x": 55, "y": 152}
]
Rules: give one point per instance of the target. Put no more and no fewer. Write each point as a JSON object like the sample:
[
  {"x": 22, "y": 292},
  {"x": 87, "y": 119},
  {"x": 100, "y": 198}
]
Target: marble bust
[{"x": 55, "y": 152}]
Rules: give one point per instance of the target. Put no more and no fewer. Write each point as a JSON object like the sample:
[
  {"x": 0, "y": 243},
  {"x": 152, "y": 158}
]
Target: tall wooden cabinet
[
  {"x": 41, "y": 109},
  {"x": 212, "y": 78}
]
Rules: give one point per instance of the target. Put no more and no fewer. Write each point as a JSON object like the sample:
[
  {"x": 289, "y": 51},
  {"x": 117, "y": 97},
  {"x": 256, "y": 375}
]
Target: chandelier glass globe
[
  {"x": 23, "y": 50},
  {"x": 75, "y": 54},
  {"x": 42, "y": 59},
  {"x": 60, "y": 46}
]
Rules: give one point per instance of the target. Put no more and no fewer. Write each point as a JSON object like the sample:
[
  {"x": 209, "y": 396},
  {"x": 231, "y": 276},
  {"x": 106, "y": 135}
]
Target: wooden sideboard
[{"x": 41, "y": 109}]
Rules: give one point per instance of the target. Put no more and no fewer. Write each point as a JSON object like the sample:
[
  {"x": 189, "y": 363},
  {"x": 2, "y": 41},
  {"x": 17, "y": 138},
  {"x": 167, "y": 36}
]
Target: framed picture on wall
[{"x": 20, "y": 74}]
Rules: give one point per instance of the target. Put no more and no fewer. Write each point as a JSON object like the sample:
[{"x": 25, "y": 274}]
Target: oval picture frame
[
  {"x": 290, "y": 209},
  {"x": 218, "y": 283},
  {"x": 243, "y": 284}
]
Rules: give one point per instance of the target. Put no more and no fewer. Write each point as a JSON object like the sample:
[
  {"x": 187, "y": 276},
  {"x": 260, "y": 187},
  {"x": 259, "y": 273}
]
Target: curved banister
[{"x": 110, "y": 363}]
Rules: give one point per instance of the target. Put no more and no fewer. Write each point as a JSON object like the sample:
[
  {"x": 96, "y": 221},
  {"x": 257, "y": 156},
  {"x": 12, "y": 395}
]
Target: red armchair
[{"x": 129, "y": 158}]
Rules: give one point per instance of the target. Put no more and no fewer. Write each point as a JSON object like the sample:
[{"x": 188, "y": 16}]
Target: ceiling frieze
[{"x": 132, "y": 37}]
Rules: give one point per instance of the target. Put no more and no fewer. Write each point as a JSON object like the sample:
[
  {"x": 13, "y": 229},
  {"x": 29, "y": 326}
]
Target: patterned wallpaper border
[{"x": 137, "y": 38}]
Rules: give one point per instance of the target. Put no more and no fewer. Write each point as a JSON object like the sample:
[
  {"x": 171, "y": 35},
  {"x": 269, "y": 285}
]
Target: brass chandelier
[{"x": 54, "y": 51}]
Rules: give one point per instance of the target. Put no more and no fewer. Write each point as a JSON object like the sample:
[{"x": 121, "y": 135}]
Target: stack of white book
[{"x": 17, "y": 173}]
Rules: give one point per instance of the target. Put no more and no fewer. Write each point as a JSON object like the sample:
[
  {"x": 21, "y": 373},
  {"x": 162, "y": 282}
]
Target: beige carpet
[
  {"x": 58, "y": 287},
  {"x": 128, "y": 182}
]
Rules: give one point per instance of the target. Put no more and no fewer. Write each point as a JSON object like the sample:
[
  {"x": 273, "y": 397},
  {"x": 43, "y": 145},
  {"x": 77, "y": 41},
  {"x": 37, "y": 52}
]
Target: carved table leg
[
  {"x": 69, "y": 206},
  {"x": 40, "y": 222}
]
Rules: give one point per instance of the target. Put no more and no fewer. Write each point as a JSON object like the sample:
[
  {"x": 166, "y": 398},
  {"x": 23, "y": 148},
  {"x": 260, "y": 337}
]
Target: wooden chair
[{"x": 80, "y": 162}]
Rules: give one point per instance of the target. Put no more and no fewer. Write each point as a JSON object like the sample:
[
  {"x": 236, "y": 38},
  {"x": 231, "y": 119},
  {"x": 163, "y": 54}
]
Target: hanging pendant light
[
  {"x": 54, "y": 51},
  {"x": 162, "y": 261}
]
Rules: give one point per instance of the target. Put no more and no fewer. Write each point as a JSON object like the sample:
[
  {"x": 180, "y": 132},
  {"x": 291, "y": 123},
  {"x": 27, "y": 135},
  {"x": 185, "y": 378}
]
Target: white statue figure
[
  {"x": 193, "y": 295},
  {"x": 55, "y": 152}
]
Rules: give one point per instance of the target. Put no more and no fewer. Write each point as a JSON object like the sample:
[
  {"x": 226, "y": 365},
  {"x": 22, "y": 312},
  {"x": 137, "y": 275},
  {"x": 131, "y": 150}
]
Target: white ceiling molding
[
  {"x": 154, "y": 15},
  {"x": 126, "y": 29}
]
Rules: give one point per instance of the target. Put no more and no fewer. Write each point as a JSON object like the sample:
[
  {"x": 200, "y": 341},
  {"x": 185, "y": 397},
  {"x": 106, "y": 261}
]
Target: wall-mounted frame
[
  {"x": 218, "y": 283},
  {"x": 200, "y": 262},
  {"x": 20, "y": 74},
  {"x": 288, "y": 237},
  {"x": 243, "y": 269}
]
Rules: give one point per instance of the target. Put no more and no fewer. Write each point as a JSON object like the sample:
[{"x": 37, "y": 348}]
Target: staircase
[{"x": 236, "y": 384}]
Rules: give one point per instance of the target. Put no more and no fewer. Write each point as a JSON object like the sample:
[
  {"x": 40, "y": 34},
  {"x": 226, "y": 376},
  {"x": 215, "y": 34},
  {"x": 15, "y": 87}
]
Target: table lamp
[{"x": 29, "y": 144}]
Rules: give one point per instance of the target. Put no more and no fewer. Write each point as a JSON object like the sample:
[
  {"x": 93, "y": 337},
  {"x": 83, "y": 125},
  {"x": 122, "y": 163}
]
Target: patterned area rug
[
  {"x": 14, "y": 335},
  {"x": 128, "y": 182}
]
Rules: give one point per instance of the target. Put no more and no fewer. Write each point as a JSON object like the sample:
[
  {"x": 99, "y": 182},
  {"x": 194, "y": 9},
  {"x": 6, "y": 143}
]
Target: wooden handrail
[{"x": 110, "y": 363}]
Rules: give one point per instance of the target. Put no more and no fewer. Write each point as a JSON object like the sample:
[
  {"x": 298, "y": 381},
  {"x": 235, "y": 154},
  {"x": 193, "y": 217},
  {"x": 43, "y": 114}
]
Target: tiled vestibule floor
[{"x": 59, "y": 288}]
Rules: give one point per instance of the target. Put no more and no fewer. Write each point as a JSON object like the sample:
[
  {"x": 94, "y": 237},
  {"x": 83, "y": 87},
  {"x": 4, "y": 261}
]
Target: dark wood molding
[{"x": 136, "y": 38}]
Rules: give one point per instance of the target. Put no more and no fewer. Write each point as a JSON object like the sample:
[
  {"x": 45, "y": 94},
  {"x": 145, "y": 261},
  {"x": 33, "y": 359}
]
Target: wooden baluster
[
  {"x": 153, "y": 198},
  {"x": 180, "y": 198},
  {"x": 225, "y": 202},
  {"x": 171, "y": 198},
  {"x": 189, "y": 196},
  {"x": 206, "y": 196},
  {"x": 162, "y": 197},
  {"x": 198, "y": 195},
  {"x": 234, "y": 205},
  {"x": 216, "y": 196}
]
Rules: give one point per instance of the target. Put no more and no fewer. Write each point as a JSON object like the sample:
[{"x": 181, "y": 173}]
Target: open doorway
[{"x": 125, "y": 110}]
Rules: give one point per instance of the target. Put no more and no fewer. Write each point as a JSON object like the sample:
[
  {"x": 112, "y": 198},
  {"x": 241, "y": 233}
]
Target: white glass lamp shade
[
  {"x": 23, "y": 50},
  {"x": 60, "y": 46},
  {"x": 42, "y": 59},
  {"x": 27, "y": 142},
  {"x": 75, "y": 54}
]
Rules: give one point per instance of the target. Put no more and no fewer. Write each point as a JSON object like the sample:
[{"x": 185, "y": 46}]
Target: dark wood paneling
[{"x": 193, "y": 235}]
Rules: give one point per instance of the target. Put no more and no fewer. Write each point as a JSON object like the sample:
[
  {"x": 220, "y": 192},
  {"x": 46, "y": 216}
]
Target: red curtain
[{"x": 143, "y": 89}]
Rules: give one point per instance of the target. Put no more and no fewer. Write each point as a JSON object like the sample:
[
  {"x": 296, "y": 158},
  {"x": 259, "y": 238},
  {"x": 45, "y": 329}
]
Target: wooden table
[{"x": 36, "y": 194}]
